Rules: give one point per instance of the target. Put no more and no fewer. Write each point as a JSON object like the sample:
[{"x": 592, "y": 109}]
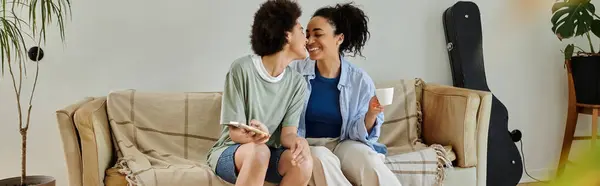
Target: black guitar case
[{"x": 462, "y": 26}]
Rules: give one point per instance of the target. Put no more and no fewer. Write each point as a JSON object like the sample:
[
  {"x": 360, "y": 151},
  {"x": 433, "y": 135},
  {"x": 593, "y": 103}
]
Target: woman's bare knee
[
  {"x": 262, "y": 152},
  {"x": 306, "y": 168},
  {"x": 299, "y": 173},
  {"x": 257, "y": 153}
]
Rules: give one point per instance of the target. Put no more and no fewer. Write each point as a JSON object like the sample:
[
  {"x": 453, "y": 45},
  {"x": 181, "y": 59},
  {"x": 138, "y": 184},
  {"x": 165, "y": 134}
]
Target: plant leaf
[
  {"x": 596, "y": 27},
  {"x": 559, "y": 14},
  {"x": 569, "y": 51},
  {"x": 584, "y": 24},
  {"x": 4, "y": 7},
  {"x": 591, "y": 8},
  {"x": 16, "y": 38},
  {"x": 44, "y": 18},
  {"x": 33, "y": 16},
  {"x": 573, "y": 18},
  {"x": 58, "y": 12}
]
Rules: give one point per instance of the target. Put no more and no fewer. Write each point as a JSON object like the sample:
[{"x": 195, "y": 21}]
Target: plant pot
[
  {"x": 29, "y": 180},
  {"x": 586, "y": 78}
]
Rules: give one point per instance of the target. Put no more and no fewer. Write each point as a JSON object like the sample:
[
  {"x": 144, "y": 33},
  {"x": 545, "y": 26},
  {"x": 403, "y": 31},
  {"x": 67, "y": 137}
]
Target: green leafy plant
[
  {"x": 21, "y": 22},
  {"x": 573, "y": 18}
]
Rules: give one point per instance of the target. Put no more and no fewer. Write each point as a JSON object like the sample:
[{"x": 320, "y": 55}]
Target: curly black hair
[
  {"x": 349, "y": 20},
  {"x": 271, "y": 22}
]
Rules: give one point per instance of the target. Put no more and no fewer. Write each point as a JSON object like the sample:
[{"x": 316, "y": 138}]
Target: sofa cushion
[
  {"x": 401, "y": 128},
  {"x": 70, "y": 140},
  {"x": 96, "y": 143},
  {"x": 453, "y": 122}
]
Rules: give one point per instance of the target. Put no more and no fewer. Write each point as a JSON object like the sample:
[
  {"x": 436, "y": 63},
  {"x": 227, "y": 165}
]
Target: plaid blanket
[
  {"x": 163, "y": 138},
  {"x": 420, "y": 168},
  {"x": 413, "y": 162}
]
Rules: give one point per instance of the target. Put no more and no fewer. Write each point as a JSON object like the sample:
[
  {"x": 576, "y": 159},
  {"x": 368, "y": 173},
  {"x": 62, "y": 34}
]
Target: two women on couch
[{"x": 326, "y": 100}]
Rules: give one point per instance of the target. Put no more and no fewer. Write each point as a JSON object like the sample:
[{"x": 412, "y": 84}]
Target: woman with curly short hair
[{"x": 260, "y": 89}]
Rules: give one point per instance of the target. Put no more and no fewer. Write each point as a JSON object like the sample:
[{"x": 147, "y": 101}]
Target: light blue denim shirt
[{"x": 356, "y": 89}]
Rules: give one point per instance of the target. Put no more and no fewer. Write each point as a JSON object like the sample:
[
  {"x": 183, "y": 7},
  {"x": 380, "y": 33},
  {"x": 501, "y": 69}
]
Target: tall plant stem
[
  {"x": 22, "y": 130},
  {"x": 23, "y": 156},
  {"x": 590, "y": 41}
]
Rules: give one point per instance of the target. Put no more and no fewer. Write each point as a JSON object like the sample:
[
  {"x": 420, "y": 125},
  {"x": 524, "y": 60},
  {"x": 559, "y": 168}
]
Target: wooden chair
[{"x": 574, "y": 109}]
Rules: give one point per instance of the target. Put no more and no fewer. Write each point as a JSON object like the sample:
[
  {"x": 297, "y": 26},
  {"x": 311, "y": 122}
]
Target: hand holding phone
[
  {"x": 263, "y": 136},
  {"x": 256, "y": 130}
]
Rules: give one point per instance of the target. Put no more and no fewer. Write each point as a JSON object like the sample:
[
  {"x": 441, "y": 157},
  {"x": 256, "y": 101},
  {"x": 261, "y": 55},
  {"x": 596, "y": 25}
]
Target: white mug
[{"x": 385, "y": 96}]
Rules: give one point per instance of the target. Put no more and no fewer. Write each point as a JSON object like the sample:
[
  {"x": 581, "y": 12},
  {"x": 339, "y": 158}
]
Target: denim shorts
[{"x": 225, "y": 167}]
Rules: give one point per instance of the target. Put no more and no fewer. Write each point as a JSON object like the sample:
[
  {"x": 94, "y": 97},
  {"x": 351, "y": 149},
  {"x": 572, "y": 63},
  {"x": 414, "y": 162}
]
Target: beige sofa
[{"x": 449, "y": 116}]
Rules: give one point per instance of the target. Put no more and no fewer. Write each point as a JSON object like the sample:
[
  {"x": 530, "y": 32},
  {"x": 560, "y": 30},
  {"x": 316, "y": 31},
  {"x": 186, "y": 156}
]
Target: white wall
[{"x": 187, "y": 45}]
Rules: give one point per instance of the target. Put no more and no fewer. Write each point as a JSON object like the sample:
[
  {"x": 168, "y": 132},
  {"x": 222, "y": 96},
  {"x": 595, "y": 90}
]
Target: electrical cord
[{"x": 525, "y": 167}]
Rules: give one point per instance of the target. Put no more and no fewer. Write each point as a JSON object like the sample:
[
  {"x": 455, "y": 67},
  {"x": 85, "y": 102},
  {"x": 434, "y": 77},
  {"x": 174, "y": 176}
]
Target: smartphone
[{"x": 247, "y": 127}]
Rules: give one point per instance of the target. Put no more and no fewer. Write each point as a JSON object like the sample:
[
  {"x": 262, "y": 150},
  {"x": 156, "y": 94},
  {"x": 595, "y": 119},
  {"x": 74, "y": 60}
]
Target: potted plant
[
  {"x": 21, "y": 22},
  {"x": 578, "y": 18}
]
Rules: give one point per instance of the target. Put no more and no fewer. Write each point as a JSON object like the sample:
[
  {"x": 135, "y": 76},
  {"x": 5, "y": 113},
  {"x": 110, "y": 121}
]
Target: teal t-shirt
[{"x": 249, "y": 96}]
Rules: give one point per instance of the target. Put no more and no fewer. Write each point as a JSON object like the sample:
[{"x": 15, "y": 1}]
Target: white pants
[{"x": 348, "y": 163}]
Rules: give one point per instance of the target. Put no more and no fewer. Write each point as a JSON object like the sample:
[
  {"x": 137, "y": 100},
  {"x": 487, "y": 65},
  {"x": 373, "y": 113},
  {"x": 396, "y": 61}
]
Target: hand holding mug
[{"x": 374, "y": 106}]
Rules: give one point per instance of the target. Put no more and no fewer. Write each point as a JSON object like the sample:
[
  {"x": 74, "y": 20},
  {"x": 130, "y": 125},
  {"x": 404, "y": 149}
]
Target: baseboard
[{"x": 540, "y": 174}]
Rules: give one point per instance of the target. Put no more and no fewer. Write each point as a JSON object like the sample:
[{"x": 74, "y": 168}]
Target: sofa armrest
[
  {"x": 458, "y": 117},
  {"x": 94, "y": 132},
  {"x": 70, "y": 140}
]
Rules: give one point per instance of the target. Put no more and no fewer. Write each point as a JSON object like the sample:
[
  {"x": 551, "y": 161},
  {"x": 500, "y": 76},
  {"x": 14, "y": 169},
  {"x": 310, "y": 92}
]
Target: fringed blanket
[
  {"x": 421, "y": 168},
  {"x": 162, "y": 139}
]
